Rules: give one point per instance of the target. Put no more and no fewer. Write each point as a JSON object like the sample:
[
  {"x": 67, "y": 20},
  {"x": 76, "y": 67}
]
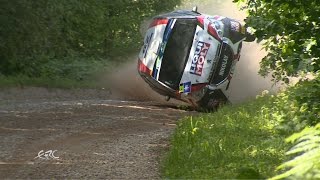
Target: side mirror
[
  {"x": 250, "y": 37},
  {"x": 195, "y": 9}
]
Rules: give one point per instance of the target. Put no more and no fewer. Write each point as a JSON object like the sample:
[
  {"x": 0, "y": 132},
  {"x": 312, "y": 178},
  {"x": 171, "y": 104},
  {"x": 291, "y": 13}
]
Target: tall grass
[
  {"x": 249, "y": 140},
  {"x": 235, "y": 142}
]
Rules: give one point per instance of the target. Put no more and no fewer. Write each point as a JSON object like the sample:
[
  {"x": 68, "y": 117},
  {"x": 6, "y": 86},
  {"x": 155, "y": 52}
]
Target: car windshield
[{"x": 177, "y": 51}]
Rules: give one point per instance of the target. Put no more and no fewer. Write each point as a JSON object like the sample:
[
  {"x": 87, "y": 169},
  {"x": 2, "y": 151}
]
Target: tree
[
  {"x": 34, "y": 33},
  {"x": 290, "y": 31}
]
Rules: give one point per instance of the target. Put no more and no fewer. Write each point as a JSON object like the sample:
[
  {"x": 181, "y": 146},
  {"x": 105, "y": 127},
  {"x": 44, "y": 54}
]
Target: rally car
[{"x": 192, "y": 56}]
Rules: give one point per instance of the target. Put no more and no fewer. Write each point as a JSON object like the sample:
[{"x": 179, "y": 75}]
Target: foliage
[
  {"x": 36, "y": 33},
  {"x": 306, "y": 162},
  {"x": 291, "y": 34},
  {"x": 234, "y": 142},
  {"x": 298, "y": 107},
  {"x": 21, "y": 81},
  {"x": 62, "y": 73}
]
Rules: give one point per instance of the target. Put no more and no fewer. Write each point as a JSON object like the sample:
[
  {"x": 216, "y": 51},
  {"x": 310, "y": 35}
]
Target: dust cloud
[{"x": 125, "y": 83}]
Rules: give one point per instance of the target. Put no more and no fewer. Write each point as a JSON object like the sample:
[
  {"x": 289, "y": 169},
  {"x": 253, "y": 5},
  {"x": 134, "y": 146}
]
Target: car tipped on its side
[{"x": 191, "y": 56}]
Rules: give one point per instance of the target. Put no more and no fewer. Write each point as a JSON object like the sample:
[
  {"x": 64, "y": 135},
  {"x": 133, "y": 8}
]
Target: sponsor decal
[
  {"x": 223, "y": 65},
  {"x": 185, "y": 87},
  {"x": 199, "y": 57},
  {"x": 157, "y": 65},
  {"x": 146, "y": 45}
]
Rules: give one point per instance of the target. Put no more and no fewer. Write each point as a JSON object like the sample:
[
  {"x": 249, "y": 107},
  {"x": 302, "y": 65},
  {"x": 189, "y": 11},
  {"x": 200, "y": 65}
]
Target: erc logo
[{"x": 199, "y": 58}]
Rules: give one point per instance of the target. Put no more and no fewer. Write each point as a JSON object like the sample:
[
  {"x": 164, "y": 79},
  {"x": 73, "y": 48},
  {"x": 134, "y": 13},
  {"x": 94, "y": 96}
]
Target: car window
[{"x": 177, "y": 51}]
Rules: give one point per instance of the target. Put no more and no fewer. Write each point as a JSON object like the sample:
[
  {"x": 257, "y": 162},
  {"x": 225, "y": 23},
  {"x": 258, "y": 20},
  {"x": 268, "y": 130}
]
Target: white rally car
[{"x": 191, "y": 56}]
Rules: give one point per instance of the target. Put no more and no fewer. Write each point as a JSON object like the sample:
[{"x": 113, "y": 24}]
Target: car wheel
[{"x": 212, "y": 101}]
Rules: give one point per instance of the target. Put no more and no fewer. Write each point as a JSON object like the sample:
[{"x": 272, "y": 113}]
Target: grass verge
[{"x": 235, "y": 142}]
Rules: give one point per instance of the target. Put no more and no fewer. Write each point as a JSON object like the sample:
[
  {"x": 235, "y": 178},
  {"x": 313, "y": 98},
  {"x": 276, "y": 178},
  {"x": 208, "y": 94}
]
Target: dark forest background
[{"x": 70, "y": 39}]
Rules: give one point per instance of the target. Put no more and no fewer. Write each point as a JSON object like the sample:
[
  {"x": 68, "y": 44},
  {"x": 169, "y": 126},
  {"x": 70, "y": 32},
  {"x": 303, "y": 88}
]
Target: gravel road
[{"x": 90, "y": 134}]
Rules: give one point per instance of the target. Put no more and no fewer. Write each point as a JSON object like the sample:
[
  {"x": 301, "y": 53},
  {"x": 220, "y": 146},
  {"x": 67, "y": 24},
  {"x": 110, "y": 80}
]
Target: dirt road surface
[{"x": 90, "y": 134}]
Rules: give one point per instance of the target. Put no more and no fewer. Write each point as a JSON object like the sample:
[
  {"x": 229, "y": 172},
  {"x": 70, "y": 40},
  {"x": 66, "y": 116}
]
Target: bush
[
  {"x": 37, "y": 33},
  {"x": 305, "y": 162},
  {"x": 298, "y": 109},
  {"x": 298, "y": 106},
  {"x": 290, "y": 32}
]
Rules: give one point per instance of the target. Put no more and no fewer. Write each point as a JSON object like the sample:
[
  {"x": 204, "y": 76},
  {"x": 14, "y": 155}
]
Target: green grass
[{"x": 235, "y": 142}]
